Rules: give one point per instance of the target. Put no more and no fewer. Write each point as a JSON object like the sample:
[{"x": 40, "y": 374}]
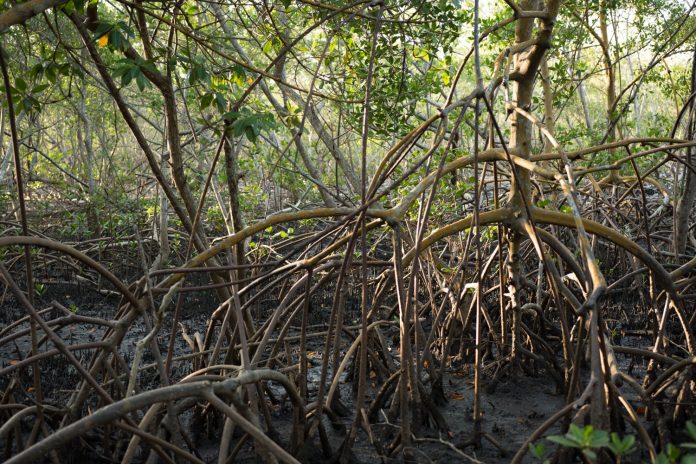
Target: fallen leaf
[{"x": 456, "y": 396}]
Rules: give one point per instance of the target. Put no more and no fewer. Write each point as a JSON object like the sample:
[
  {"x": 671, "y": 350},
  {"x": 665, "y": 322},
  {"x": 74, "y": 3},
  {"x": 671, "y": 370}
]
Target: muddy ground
[{"x": 510, "y": 413}]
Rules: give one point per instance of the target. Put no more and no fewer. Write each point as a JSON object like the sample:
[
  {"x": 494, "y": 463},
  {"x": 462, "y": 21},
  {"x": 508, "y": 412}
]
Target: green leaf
[
  {"x": 672, "y": 452},
  {"x": 563, "y": 441},
  {"x": 621, "y": 446},
  {"x": 231, "y": 116},
  {"x": 74, "y": 5},
  {"x": 598, "y": 439},
  {"x": 206, "y": 100},
  {"x": 220, "y": 102},
  {"x": 20, "y": 84},
  {"x": 691, "y": 429},
  {"x": 75, "y": 70},
  {"x": 141, "y": 81},
  {"x": 68, "y": 7},
  {"x": 589, "y": 454},
  {"x": 248, "y": 123},
  {"x": 201, "y": 73},
  {"x": 127, "y": 77},
  {"x": 117, "y": 40},
  {"x": 251, "y": 133},
  {"x": 102, "y": 28},
  {"x": 445, "y": 78},
  {"x": 148, "y": 65},
  {"x": 267, "y": 46},
  {"x": 40, "y": 88},
  {"x": 538, "y": 450}
]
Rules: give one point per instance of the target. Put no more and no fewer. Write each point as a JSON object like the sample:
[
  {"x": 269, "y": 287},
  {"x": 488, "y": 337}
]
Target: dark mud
[{"x": 517, "y": 406}]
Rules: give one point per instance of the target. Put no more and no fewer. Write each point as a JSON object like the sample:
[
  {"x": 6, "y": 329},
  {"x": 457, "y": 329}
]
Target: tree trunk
[
  {"x": 232, "y": 171},
  {"x": 610, "y": 83},
  {"x": 685, "y": 205},
  {"x": 313, "y": 171}
]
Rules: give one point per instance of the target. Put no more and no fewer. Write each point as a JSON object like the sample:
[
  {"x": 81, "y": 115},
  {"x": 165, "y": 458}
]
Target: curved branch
[
  {"x": 24, "y": 11},
  {"x": 70, "y": 251},
  {"x": 121, "y": 408}
]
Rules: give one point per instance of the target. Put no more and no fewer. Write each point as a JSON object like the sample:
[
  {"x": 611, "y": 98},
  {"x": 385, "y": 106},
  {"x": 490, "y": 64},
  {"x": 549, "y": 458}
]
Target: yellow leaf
[
  {"x": 103, "y": 40},
  {"x": 456, "y": 396}
]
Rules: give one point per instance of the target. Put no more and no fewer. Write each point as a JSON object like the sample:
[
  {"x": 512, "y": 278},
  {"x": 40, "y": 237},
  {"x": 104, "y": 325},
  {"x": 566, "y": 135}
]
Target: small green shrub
[{"x": 589, "y": 441}]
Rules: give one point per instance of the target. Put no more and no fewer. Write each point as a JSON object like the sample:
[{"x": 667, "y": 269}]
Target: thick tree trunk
[{"x": 520, "y": 191}]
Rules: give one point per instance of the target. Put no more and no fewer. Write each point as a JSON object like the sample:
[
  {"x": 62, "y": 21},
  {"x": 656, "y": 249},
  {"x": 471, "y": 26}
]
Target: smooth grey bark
[
  {"x": 582, "y": 92},
  {"x": 9, "y": 153}
]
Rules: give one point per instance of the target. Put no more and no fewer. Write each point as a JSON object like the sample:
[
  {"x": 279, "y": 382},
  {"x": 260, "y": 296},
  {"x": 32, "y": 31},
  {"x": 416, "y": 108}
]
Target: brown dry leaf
[
  {"x": 373, "y": 375},
  {"x": 456, "y": 396},
  {"x": 14, "y": 362}
]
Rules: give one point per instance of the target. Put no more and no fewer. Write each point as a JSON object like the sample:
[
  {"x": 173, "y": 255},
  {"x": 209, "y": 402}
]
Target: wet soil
[{"x": 511, "y": 412}]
